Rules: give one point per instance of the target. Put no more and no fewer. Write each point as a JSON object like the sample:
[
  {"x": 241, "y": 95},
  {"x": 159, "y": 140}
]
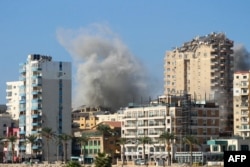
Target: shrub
[{"x": 73, "y": 164}]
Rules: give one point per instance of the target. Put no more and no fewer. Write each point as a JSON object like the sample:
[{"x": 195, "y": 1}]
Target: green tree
[
  {"x": 49, "y": 135},
  {"x": 73, "y": 164},
  {"x": 12, "y": 140},
  {"x": 83, "y": 141},
  {"x": 122, "y": 142},
  {"x": 103, "y": 160},
  {"x": 104, "y": 129},
  {"x": 65, "y": 138},
  {"x": 191, "y": 141},
  {"x": 31, "y": 139},
  {"x": 168, "y": 138}
]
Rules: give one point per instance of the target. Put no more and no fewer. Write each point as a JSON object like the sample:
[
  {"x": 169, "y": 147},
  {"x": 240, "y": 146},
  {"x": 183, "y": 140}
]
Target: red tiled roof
[{"x": 115, "y": 124}]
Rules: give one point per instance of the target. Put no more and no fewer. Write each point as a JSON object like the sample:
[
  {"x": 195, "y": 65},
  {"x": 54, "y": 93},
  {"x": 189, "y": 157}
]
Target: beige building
[
  {"x": 241, "y": 104},
  {"x": 13, "y": 94},
  {"x": 203, "y": 67}
]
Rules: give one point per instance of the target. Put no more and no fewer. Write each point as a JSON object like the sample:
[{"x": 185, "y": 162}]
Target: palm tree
[
  {"x": 12, "y": 140},
  {"x": 49, "y": 135},
  {"x": 191, "y": 141},
  {"x": 122, "y": 142},
  {"x": 1, "y": 145},
  {"x": 106, "y": 132},
  {"x": 65, "y": 138},
  {"x": 144, "y": 140},
  {"x": 83, "y": 141},
  {"x": 31, "y": 139},
  {"x": 168, "y": 139},
  {"x": 103, "y": 160},
  {"x": 104, "y": 129}
]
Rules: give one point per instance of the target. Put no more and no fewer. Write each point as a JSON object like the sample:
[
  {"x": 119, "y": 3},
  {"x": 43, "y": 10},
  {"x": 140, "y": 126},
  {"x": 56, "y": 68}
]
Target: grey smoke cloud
[
  {"x": 107, "y": 72},
  {"x": 241, "y": 58}
]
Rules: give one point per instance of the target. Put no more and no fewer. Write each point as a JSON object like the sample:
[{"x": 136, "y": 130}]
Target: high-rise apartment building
[
  {"x": 241, "y": 104},
  {"x": 203, "y": 67},
  {"x": 12, "y": 97},
  {"x": 45, "y": 101}
]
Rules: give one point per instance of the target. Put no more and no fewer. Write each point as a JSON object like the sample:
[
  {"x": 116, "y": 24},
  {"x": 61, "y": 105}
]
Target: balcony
[
  {"x": 36, "y": 108},
  {"x": 36, "y": 69},
  {"x": 245, "y": 128},
  {"x": 22, "y": 101},
  {"x": 35, "y": 116},
  {"x": 245, "y": 92},
  {"x": 36, "y": 147},
  {"x": 37, "y": 100},
  {"x": 36, "y": 76},
  {"x": 22, "y": 108},
  {"x": 22, "y": 132},
  {"x": 33, "y": 132},
  {"x": 22, "y": 78},
  {"x": 244, "y": 105},
  {"x": 22, "y": 148},
  {"x": 36, "y": 124},
  {"x": 22, "y": 70},
  {"x": 36, "y": 84}
]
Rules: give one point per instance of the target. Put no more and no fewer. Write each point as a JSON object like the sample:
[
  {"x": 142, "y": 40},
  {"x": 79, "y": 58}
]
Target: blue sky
[{"x": 148, "y": 28}]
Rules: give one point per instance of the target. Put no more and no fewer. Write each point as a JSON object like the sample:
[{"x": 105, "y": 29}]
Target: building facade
[
  {"x": 12, "y": 97},
  {"x": 99, "y": 142},
  {"x": 45, "y": 101},
  {"x": 203, "y": 67},
  {"x": 85, "y": 117},
  {"x": 241, "y": 104},
  {"x": 142, "y": 121},
  {"x": 179, "y": 116}
]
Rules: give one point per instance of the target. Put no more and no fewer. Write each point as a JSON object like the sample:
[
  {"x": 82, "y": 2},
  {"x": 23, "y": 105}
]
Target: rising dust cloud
[
  {"x": 241, "y": 58},
  {"x": 108, "y": 74}
]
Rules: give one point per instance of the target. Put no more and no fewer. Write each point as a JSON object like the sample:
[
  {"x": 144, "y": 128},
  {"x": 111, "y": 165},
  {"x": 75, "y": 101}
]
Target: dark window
[{"x": 244, "y": 147}]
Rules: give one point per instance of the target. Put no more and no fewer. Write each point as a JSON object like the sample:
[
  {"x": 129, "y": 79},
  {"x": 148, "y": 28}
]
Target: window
[
  {"x": 231, "y": 148},
  {"x": 215, "y": 148},
  {"x": 244, "y": 148},
  {"x": 212, "y": 112}
]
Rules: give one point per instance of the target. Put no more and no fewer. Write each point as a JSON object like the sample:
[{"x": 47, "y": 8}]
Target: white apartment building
[
  {"x": 140, "y": 121},
  {"x": 203, "y": 67},
  {"x": 241, "y": 104},
  {"x": 109, "y": 117},
  {"x": 13, "y": 97},
  {"x": 45, "y": 101},
  {"x": 179, "y": 116}
]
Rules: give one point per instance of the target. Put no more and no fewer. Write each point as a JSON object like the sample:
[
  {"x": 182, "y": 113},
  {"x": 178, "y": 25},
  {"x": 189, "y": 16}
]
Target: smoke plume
[
  {"x": 107, "y": 72},
  {"x": 241, "y": 58}
]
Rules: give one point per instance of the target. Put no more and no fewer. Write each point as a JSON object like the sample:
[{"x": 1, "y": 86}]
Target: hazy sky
[{"x": 146, "y": 28}]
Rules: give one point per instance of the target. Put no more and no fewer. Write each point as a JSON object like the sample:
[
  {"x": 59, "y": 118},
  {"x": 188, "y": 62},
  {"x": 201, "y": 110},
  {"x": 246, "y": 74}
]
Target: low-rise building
[
  {"x": 99, "y": 141},
  {"x": 218, "y": 146}
]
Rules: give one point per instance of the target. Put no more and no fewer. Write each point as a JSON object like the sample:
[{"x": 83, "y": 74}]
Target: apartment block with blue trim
[{"x": 45, "y": 101}]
